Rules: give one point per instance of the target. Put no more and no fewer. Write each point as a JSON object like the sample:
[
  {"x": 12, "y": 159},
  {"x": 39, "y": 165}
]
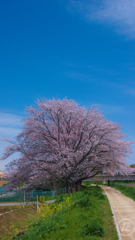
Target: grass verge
[
  {"x": 128, "y": 191},
  {"x": 82, "y": 215}
]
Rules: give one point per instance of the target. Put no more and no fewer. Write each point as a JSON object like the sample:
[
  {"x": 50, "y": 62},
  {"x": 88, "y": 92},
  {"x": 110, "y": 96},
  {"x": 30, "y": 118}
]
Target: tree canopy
[{"x": 64, "y": 142}]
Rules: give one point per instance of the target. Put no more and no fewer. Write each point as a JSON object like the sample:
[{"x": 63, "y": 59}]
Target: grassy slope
[
  {"x": 124, "y": 181},
  {"x": 86, "y": 208},
  {"x": 128, "y": 191},
  {"x": 16, "y": 221}
]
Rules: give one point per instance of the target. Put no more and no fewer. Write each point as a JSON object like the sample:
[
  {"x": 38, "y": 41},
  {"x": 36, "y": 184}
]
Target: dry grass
[
  {"x": 5, "y": 209},
  {"x": 16, "y": 221}
]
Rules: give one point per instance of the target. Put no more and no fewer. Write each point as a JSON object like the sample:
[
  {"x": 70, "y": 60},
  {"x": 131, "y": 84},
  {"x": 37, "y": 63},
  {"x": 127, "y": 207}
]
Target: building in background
[{"x": 2, "y": 175}]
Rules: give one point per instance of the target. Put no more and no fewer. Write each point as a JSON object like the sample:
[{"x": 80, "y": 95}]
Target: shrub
[
  {"x": 86, "y": 192},
  {"x": 83, "y": 202},
  {"x": 59, "y": 200},
  {"x": 93, "y": 229},
  {"x": 98, "y": 195}
]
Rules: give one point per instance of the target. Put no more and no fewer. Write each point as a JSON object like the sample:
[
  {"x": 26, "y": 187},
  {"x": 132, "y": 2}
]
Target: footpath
[
  {"x": 3, "y": 204},
  {"x": 124, "y": 213}
]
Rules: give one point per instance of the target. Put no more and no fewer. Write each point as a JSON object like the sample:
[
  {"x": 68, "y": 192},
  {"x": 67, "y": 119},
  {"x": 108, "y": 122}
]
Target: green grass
[
  {"x": 87, "y": 216},
  {"x": 128, "y": 191},
  {"x": 124, "y": 181},
  {"x": 52, "y": 198},
  {"x": 88, "y": 183}
]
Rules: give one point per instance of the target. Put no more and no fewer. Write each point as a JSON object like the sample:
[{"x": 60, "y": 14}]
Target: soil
[
  {"x": 6, "y": 209},
  {"x": 19, "y": 218}
]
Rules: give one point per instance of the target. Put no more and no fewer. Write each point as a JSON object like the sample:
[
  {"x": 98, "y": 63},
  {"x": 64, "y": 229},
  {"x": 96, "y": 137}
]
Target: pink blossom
[{"x": 61, "y": 139}]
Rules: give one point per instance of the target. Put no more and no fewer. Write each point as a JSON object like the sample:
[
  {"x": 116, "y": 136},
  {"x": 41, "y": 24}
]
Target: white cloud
[{"x": 120, "y": 13}]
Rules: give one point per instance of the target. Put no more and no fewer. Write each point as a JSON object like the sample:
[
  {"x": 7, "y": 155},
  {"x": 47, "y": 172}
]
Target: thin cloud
[
  {"x": 8, "y": 119},
  {"x": 9, "y": 132},
  {"x": 110, "y": 109},
  {"x": 85, "y": 72},
  {"x": 130, "y": 91},
  {"x": 124, "y": 88},
  {"x": 10, "y": 126},
  {"x": 3, "y": 163},
  {"x": 120, "y": 13},
  {"x": 75, "y": 75}
]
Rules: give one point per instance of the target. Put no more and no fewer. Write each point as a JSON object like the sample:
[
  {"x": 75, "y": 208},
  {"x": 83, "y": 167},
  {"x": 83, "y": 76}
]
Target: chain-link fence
[{"x": 27, "y": 195}]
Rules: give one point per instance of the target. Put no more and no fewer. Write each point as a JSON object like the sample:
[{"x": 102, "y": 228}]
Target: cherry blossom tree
[{"x": 62, "y": 142}]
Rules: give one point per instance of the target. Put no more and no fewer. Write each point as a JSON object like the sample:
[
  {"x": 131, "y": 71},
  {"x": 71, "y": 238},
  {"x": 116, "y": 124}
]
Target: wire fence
[{"x": 28, "y": 195}]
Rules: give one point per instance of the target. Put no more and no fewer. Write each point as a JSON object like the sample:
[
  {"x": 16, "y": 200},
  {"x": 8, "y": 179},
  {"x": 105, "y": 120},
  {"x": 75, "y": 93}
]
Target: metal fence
[{"x": 28, "y": 195}]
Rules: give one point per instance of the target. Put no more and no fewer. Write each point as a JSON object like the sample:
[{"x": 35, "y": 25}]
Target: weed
[
  {"x": 128, "y": 191},
  {"x": 83, "y": 202},
  {"x": 93, "y": 229}
]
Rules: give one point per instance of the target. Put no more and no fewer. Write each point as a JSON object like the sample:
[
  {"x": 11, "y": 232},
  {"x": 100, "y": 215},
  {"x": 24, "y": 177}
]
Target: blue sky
[{"x": 82, "y": 50}]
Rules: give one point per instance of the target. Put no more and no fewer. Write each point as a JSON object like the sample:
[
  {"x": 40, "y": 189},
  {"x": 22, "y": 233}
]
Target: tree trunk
[
  {"x": 73, "y": 187},
  {"x": 78, "y": 185},
  {"x": 54, "y": 181},
  {"x": 67, "y": 186}
]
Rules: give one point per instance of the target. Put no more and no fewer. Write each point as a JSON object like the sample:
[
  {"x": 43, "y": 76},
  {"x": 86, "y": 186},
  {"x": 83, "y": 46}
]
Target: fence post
[
  {"x": 2, "y": 196},
  {"x": 24, "y": 198},
  {"x": 19, "y": 195},
  {"x": 37, "y": 203}
]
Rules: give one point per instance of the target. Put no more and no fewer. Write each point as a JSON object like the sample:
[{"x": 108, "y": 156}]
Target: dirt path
[
  {"x": 2, "y": 204},
  {"x": 124, "y": 210}
]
